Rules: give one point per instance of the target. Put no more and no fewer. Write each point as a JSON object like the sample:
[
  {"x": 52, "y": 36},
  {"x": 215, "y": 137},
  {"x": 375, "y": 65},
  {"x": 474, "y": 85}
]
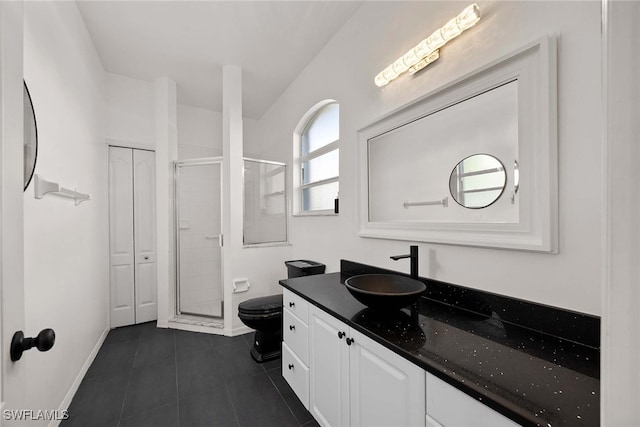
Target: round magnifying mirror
[
  {"x": 30, "y": 138},
  {"x": 477, "y": 181}
]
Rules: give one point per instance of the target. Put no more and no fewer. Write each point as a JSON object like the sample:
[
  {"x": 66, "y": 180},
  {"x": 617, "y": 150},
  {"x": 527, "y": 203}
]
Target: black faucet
[{"x": 413, "y": 254}]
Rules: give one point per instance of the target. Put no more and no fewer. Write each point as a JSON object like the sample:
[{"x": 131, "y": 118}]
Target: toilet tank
[{"x": 303, "y": 267}]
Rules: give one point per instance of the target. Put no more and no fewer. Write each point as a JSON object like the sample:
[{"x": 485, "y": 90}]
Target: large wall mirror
[
  {"x": 473, "y": 163},
  {"x": 30, "y": 138}
]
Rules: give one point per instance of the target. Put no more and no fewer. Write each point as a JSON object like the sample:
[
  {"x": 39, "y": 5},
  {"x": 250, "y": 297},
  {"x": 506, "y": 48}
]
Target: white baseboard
[
  {"x": 76, "y": 383},
  {"x": 241, "y": 330}
]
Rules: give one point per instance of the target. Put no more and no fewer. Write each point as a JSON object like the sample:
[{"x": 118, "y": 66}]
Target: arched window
[{"x": 319, "y": 160}]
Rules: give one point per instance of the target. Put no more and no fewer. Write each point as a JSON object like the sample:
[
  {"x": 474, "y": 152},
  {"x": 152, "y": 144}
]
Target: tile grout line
[
  {"x": 224, "y": 382},
  {"x": 126, "y": 389},
  {"x": 235, "y": 411},
  {"x": 175, "y": 360},
  {"x": 129, "y": 383},
  {"x": 283, "y": 399}
]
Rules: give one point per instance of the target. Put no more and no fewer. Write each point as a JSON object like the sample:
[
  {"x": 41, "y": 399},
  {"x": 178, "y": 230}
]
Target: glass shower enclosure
[{"x": 198, "y": 216}]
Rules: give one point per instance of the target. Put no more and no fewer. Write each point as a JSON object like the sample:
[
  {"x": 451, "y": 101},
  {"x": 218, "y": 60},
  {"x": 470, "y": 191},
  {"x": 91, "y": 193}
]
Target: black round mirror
[
  {"x": 30, "y": 138},
  {"x": 477, "y": 181}
]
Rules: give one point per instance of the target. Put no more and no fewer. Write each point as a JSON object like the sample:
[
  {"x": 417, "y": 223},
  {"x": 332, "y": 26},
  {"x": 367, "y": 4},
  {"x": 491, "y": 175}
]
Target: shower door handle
[{"x": 219, "y": 237}]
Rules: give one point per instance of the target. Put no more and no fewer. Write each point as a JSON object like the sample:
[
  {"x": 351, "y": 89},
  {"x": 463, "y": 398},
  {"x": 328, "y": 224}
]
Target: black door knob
[
  {"x": 341, "y": 334},
  {"x": 291, "y": 327},
  {"x": 350, "y": 341},
  {"x": 43, "y": 342}
]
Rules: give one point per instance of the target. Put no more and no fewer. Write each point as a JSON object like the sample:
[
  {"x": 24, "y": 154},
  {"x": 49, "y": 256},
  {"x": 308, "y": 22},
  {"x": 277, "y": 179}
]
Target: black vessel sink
[{"x": 385, "y": 291}]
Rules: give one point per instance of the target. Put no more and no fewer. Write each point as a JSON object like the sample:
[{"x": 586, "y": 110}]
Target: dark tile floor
[{"x": 146, "y": 376}]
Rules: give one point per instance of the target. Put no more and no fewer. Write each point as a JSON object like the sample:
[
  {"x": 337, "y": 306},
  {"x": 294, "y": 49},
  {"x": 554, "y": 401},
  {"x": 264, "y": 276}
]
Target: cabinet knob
[
  {"x": 291, "y": 327},
  {"x": 341, "y": 334},
  {"x": 290, "y": 366},
  {"x": 350, "y": 341},
  {"x": 291, "y": 304}
]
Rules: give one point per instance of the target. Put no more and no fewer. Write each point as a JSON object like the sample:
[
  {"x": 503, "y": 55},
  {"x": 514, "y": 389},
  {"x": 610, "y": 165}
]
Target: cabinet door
[
  {"x": 329, "y": 369},
  {"x": 385, "y": 389}
]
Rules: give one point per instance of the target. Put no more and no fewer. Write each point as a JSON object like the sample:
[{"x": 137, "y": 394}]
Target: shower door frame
[{"x": 176, "y": 204}]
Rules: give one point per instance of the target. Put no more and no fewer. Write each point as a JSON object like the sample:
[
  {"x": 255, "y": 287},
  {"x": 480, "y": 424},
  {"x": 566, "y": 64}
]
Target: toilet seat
[{"x": 262, "y": 306}]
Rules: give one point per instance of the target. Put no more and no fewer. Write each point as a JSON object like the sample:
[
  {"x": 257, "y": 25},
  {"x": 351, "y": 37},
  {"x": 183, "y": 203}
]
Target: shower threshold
[{"x": 208, "y": 322}]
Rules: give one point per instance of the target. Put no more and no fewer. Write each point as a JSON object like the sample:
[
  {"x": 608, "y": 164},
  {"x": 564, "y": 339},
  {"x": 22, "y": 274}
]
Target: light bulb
[
  {"x": 450, "y": 30},
  {"x": 399, "y": 66},
  {"x": 422, "y": 49},
  {"x": 468, "y": 17},
  {"x": 435, "y": 41},
  {"x": 380, "y": 80}
]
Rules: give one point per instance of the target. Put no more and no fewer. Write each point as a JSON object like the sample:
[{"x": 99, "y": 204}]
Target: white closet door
[
  {"x": 122, "y": 274},
  {"x": 144, "y": 214}
]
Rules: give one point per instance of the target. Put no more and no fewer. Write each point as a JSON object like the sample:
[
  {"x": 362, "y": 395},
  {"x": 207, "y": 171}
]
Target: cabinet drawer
[
  {"x": 296, "y": 334},
  {"x": 296, "y": 305},
  {"x": 448, "y": 406},
  {"x": 296, "y": 374}
]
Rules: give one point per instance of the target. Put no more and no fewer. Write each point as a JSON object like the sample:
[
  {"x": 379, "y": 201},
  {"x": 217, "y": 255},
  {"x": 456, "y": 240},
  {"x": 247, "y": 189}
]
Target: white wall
[
  {"x": 66, "y": 246},
  {"x": 130, "y": 109},
  {"x": 380, "y": 32},
  {"x": 199, "y": 132}
]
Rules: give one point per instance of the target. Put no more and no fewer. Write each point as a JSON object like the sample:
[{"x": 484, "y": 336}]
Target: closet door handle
[
  {"x": 350, "y": 341},
  {"x": 290, "y": 367},
  {"x": 292, "y": 327},
  {"x": 341, "y": 334},
  {"x": 291, "y": 304}
]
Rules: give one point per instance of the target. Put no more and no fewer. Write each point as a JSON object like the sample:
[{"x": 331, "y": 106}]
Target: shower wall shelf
[{"x": 43, "y": 187}]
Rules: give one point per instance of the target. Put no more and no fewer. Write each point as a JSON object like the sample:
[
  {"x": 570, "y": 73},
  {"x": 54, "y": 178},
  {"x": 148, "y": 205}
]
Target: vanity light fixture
[{"x": 427, "y": 50}]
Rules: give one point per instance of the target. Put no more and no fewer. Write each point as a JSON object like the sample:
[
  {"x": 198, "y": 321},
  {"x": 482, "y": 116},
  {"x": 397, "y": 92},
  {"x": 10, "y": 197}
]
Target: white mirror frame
[{"x": 535, "y": 68}]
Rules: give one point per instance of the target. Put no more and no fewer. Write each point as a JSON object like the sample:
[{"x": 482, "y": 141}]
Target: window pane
[
  {"x": 322, "y": 167},
  {"x": 320, "y": 197},
  {"x": 322, "y": 129}
]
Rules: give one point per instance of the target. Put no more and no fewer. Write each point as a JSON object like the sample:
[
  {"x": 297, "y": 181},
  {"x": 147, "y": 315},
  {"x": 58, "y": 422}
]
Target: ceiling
[{"x": 190, "y": 42}]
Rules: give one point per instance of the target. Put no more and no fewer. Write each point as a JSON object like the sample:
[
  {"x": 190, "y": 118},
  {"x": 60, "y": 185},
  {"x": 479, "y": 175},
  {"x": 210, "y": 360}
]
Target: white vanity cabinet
[
  {"x": 356, "y": 381},
  {"x": 295, "y": 345},
  {"x": 449, "y": 407}
]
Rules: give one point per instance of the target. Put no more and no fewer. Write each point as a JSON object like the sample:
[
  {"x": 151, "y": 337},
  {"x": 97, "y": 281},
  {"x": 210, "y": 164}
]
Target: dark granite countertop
[{"x": 529, "y": 376}]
